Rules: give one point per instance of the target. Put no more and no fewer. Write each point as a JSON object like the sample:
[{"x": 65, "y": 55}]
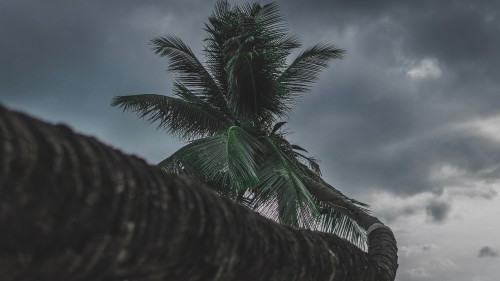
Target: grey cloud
[
  {"x": 430, "y": 248},
  {"x": 386, "y": 147},
  {"x": 434, "y": 208},
  {"x": 437, "y": 211},
  {"x": 382, "y": 129},
  {"x": 487, "y": 192},
  {"x": 412, "y": 250},
  {"x": 462, "y": 34},
  {"x": 389, "y": 215},
  {"x": 487, "y": 251}
]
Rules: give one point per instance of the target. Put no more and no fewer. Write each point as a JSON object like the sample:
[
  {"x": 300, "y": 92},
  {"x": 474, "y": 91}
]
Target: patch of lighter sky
[
  {"x": 448, "y": 250},
  {"x": 446, "y": 172},
  {"x": 427, "y": 68},
  {"x": 488, "y": 127}
]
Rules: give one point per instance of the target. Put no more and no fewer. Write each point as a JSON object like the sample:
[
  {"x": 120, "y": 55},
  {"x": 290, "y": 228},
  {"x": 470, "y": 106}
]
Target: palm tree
[
  {"x": 73, "y": 208},
  {"x": 232, "y": 109}
]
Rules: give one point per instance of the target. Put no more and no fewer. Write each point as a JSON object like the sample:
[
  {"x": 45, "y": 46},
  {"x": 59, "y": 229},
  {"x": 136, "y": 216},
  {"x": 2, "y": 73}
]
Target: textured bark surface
[{"x": 74, "y": 209}]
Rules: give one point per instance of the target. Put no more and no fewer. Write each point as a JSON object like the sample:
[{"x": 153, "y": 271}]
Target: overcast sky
[{"x": 409, "y": 122}]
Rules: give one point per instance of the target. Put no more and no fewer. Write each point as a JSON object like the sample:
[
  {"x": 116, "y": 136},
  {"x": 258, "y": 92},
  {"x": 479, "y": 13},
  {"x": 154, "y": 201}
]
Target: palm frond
[
  {"x": 270, "y": 17},
  {"x": 191, "y": 72},
  {"x": 304, "y": 70},
  {"x": 228, "y": 159},
  {"x": 186, "y": 119},
  {"x": 281, "y": 191},
  {"x": 334, "y": 222},
  {"x": 178, "y": 163},
  {"x": 221, "y": 8},
  {"x": 294, "y": 146},
  {"x": 285, "y": 177},
  {"x": 175, "y": 164},
  {"x": 310, "y": 161},
  {"x": 339, "y": 223},
  {"x": 276, "y": 127},
  {"x": 362, "y": 206},
  {"x": 311, "y": 175}
]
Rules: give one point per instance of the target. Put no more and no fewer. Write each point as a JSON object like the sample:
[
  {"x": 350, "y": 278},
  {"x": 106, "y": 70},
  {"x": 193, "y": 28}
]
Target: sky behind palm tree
[{"x": 408, "y": 122}]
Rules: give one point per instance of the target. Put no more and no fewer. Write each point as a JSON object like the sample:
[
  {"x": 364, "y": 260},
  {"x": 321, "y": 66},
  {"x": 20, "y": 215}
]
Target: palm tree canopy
[
  {"x": 245, "y": 79},
  {"x": 232, "y": 108}
]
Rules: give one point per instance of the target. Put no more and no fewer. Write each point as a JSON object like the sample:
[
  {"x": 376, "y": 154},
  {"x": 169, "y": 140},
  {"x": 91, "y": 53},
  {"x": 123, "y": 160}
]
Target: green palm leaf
[
  {"x": 228, "y": 159},
  {"x": 191, "y": 72},
  {"x": 175, "y": 164},
  {"x": 299, "y": 76},
  {"x": 185, "y": 118},
  {"x": 281, "y": 191},
  {"x": 283, "y": 196},
  {"x": 338, "y": 223}
]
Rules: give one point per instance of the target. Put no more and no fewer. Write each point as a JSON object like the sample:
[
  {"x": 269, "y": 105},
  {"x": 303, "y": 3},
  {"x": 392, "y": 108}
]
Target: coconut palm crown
[{"x": 232, "y": 108}]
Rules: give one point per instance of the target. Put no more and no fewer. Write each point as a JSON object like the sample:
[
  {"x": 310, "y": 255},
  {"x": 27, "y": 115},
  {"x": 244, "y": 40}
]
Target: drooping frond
[
  {"x": 291, "y": 151},
  {"x": 191, "y": 73},
  {"x": 177, "y": 163},
  {"x": 281, "y": 193},
  {"x": 228, "y": 158},
  {"x": 335, "y": 222},
  {"x": 276, "y": 127},
  {"x": 332, "y": 220},
  {"x": 362, "y": 206},
  {"x": 311, "y": 161},
  {"x": 299, "y": 76},
  {"x": 341, "y": 224},
  {"x": 185, "y": 118},
  {"x": 221, "y": 8},
  {"x": 296, "y": 147}
]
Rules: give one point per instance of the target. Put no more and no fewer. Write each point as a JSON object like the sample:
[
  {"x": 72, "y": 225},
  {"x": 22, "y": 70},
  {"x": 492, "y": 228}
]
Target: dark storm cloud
[
  {"x": 487, "y": 251},
  {"x": 377, "y": 127},
  {"x": 59, "y": 44},
  {"x": 393, "y": 142},
  {"x": 437, "y": 211},
  {"x": 65, "y": 60}
]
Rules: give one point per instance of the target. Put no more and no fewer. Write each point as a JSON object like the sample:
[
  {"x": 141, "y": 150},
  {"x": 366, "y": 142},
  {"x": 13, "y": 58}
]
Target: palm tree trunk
[{"x": 72, "y": 208}]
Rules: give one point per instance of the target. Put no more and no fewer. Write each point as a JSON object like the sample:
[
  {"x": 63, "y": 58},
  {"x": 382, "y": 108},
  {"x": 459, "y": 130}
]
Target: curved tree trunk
[{"x": 74, "y": 209}]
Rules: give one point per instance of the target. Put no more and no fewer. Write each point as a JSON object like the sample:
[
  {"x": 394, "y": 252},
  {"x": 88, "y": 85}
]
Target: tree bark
[{"x": 72, "y": 208}]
